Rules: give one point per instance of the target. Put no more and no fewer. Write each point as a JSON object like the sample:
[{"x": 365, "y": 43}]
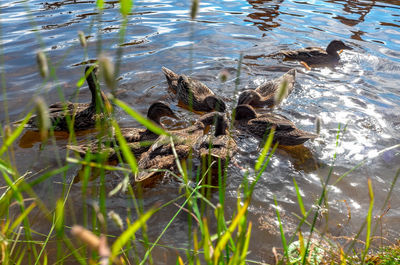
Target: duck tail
[
  {"x": 29, "y": 124},
  {"x": 172, "y": 78}
]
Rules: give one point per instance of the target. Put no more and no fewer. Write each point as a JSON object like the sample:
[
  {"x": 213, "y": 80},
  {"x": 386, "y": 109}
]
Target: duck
[
  {"x": 265, "y": 94},
  {"x": 259, "y": 125},
  {"x": 138, "y": 139},
  {"x": 316, "y": 56},
  {"x": 192, "y": 93},
  {"x": 160, "y": 155},
  {"x": 83, "y": 115},
  {"x": 218, "y": 146}
]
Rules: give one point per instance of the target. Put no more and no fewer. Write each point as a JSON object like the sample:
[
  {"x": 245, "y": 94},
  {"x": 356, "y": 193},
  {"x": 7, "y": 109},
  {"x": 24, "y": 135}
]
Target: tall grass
[{"x": 214, "y": 236}]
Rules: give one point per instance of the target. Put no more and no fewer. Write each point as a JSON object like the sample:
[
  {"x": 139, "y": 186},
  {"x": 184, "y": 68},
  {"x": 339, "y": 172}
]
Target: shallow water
[{"x": 361, "y": 93}]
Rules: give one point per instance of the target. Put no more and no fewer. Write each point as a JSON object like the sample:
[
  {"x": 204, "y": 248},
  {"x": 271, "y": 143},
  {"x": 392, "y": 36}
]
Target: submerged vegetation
[{"x": 215, "y": 235}]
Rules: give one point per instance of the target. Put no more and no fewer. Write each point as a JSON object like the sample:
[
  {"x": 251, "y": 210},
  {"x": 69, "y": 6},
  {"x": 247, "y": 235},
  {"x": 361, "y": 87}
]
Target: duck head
[
  {"x": 213, "y": 118},
  {"x": 93, "y": 83},
  {"x": 249, "y": 97},
  {"x": 159, "y": 109},
  {"x": 337, "y": 45},
  {"x": 215, "y": 103},
  {"x": 172, "y": 78},
  {"x": 244, "y": 112}
]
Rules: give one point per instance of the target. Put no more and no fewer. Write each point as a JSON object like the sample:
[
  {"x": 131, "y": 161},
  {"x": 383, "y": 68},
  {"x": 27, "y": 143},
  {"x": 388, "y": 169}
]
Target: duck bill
[{"x": 345, "y": 47}]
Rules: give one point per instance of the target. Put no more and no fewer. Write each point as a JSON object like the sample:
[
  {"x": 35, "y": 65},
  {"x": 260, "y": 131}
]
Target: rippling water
[{"x": 361, "y": 94}]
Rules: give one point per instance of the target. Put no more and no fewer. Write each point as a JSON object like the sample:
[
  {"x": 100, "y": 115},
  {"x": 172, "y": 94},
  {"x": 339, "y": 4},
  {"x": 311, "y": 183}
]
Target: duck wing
[
  {"x": 269, "y": 88},
  {"x": 198, "y": 88},
  {"x": 305, "y": 53}
]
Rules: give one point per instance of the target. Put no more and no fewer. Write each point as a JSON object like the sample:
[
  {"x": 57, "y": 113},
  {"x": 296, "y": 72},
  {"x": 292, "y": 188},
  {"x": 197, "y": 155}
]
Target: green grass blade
[
  {"x": 22, "y": 216},
  {"x": 137, "y": 116},
  {"x": 126, "y": 6},
  {"x": 100, "y": 4},
  {"x": 369, "y": 220},
  {"x": 299, "y": 199},
  {"x": 264, "y": 152},
  {"x": 129, "y": 233},
  {"x": 246, "y": 245},
  {"x": 284, "y": 244},
  {"x": 15, "y": 134},
  {"x": 7, "y": 168},
  {"x": 129, "y": 157},
  {"x": 228, "y": 234}
]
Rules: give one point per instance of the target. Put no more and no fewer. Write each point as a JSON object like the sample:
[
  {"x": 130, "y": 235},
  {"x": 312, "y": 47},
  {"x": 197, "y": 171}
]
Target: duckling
[
  {"x": 315, "y": 56},
  {"x": 264, "y": 95},
  {"x": 259, "y": 125},
  {"x": 161, "y": 155},
  {"x": 220, "y": 145},
  {"x": 137, "y": 138},
  {"x": 193, "y": 93},
  {"x": 83, "y": 114}
]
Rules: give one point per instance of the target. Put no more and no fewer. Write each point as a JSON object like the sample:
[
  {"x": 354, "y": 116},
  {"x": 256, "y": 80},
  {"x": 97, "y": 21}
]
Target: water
[{"x": 361, "y": 93}]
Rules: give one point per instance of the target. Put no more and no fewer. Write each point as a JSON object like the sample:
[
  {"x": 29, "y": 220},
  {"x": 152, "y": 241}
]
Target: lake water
[{"x": 361, "y": 93}]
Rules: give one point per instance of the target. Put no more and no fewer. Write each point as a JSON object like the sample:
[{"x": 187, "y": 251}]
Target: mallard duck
[
  {"x": 259, "y": 125},
  {"x": 193, "y": 93},
  {"x": 137, "y": 138},
  {"x": 84, "y": 115},
  {"x": 220, "y": 145},
  {"x": 264, "y": 95},
  {"x": 161, "y": 155},
  {"x": 315, "y": 56}
]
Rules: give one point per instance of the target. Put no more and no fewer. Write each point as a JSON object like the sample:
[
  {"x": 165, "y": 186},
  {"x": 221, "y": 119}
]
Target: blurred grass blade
[
  {"x": 86, "y": 236},
  {"x": 137, "y": 116},
  {"x": 129, "y": 157},
  {"x": 283, "y": 239},
  {"x": 100, "y": 4},
  {"x": 108, "y": 70},
  {"x": 369, "y": 219},
  {"x": 299, "y": 199},
  {"x": 82, "y": 39},
  {"x": 228, "y": 234},
  {"x": 43, "y": 117},
  {"x": 246, "y": 244},
  {"x": 264, "y": 152},
  {"x": 302, "y": 246},
  {"x": 15, "y": 134},
  {"x": 59, "y": 218},
  {"x": 22, "y": 216},
  {"x": 42, "y": 63},
  {"x": 207, "y": 246},
  {"x": 82, "y": 80},
  {"x": 180, "y": 261},
  {"x": 194, "y": 9},
  {"x": 282, "y": 92},
  {"x": 6, "y": 167},
  {"x": 126, "y": 6},
  {"x": 129, "y": 233},
  {"x": 318, "y": 125}
]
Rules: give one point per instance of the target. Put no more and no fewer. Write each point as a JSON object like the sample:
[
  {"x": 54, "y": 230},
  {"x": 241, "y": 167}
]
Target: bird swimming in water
[
  {"x": 192, "y": 93},
  {"x": 316, "y": 56},
  {"x": 265, "y": 94}
]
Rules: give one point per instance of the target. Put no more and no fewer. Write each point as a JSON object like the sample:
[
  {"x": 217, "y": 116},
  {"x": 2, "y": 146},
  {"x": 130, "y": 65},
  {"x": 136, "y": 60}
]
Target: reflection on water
[{"x": 361, "y": 94}]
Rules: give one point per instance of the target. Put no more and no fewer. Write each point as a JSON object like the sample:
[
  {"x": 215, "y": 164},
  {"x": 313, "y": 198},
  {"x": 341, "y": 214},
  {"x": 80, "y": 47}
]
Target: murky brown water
[{"x": 361, "y": 92}]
